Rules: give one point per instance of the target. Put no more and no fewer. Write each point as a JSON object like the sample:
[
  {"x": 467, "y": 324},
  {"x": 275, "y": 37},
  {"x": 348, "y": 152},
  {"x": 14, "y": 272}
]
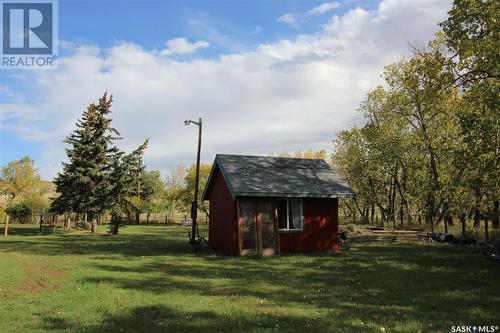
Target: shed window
[{"x": 290, "y": 215}]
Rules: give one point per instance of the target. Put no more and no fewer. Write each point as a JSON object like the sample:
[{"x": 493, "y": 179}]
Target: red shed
[{"x": 271, "y": 205}]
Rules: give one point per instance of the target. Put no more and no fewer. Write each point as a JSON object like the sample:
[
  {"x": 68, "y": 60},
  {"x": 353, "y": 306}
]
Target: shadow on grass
[
  {"x": 434, "y": 287},
  {"x": 161, "y": 318}
]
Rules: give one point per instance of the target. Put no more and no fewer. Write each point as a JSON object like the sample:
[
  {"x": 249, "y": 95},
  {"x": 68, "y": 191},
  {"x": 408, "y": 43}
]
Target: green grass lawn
[{"x": 147, "y": 279}]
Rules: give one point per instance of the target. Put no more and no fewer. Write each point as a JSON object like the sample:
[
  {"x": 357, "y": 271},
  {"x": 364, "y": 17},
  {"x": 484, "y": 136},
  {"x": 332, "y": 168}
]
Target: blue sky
[
  {"x": 266, "y": 76},
  {"x": 244, "y": 23}
]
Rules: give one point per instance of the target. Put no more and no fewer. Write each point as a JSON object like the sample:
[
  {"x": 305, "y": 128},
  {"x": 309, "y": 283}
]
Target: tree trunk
[
  {"x": 445, "y": 225},
  {"x": 6, "y": 228},
  {"x": 486, "y": 232},
  {"x": 67, "y": 221},
  {"x": 462, "y": 222},
  {"x": 450, "y": 219},
  {"x": 93, "y": 226},
  {"x": 147, "y": 217},
  {"x": 137, "y": 218},
  {"x": 433, "y": 167},
  {"x": 477, "y": 217},
  {"x": 393, "y": 207},
  {"x": 392, "y": 202},
  {"x": 401, "y": 214},
  {"x": 114, "y": 230},
  {"x": 477, "y": 212},
  {"x": 373, "y": 213},
  {"x": 495, "y": 222}
]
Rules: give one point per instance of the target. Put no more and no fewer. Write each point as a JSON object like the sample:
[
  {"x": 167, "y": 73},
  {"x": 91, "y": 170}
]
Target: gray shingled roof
[{"x": 264, "y": 176}]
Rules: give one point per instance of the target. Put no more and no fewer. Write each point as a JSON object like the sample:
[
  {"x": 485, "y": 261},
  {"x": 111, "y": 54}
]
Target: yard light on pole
[{"x": 194, "y": 205}]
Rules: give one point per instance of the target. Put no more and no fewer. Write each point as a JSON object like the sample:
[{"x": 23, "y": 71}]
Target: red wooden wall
[
  {"x": 222, "y": 230},
  {"x": 320, "y": 232}
]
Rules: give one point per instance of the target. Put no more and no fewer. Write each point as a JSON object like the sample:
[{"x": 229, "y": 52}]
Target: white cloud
[
  {"x": 182, "y": 46},
  {"x": 293, "y": 20},
  {"x": 284, "y": 96},
  {"x": 290, "y": 19},
  {"x": 323, "y": 8}
]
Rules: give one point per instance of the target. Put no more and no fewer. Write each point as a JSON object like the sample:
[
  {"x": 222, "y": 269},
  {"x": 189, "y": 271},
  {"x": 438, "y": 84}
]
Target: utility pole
[{"x": 194, "y": 204}]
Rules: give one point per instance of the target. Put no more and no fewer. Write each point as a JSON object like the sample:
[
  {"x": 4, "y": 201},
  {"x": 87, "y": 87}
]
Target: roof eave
[
  {"x": 296, "y": 195},
  {"x": 216, "y": 165}
]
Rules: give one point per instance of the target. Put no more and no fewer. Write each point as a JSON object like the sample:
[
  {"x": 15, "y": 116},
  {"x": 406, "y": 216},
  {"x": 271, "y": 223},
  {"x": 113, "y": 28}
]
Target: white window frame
[{"x": 287, "y": 229}]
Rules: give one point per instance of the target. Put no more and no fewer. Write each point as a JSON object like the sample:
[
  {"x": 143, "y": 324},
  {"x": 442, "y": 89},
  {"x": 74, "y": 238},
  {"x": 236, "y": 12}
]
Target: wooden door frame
[
  {"x": 258, "y": 230},
  {"x": 276, "y": 228}
]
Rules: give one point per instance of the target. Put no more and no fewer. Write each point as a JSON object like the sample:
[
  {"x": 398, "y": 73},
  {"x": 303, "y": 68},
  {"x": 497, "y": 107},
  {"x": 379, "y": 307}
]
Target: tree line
[
  {"x": 97, "y": 179},
  {"x": 22, "y": 192},
  {"x": 428, "y": 148}
]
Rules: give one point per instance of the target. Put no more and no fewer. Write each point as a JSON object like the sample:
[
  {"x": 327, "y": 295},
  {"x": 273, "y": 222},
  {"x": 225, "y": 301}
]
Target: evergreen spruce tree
[
  {"x": 132, "y": 182},
  {"x": 126, "y": 196},
  {"x": 85, "y": 184}
]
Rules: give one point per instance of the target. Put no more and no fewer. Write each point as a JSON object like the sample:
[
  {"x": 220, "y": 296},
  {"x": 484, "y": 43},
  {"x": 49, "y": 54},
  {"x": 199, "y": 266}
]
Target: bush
[{"x": 20, "y": 212}]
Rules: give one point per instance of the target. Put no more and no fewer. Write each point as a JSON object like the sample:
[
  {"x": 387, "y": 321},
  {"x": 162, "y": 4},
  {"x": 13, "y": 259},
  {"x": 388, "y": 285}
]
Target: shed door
[
  {"x": 258, "y": 227},
  {"x": 267, "y": 228},
  {"x": 248, "y": 228}
]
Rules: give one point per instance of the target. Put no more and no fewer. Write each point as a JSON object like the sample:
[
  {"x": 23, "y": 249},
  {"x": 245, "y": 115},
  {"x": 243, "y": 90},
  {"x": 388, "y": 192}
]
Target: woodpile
[
  {"x": 373, "y": 238},
  {"x": 367, "y": 234}
]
